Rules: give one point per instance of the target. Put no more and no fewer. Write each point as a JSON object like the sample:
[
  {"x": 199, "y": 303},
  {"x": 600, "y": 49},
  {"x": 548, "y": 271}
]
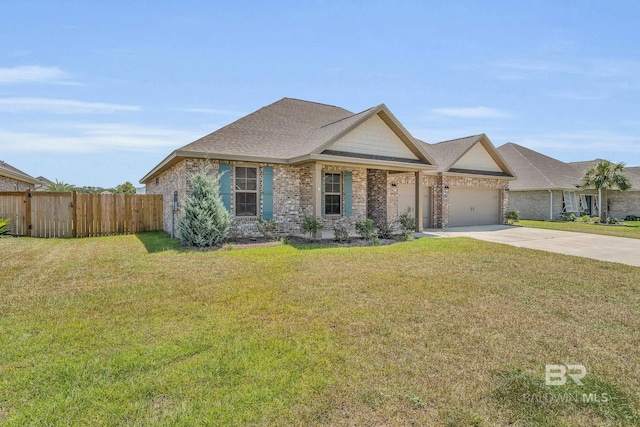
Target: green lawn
[
  {"x": 130, "y": 330},
  {"x": 631, "y": 230}
]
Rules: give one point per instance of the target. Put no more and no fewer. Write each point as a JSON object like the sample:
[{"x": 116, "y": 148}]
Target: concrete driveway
[{"x": 604, "y": 248}]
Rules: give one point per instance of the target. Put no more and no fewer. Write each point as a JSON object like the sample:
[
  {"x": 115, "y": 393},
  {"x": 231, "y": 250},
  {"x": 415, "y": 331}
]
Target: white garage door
[{"x": 473, "y": 206}]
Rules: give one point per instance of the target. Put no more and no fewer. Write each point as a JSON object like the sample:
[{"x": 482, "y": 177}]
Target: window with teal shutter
[
  {"x": 225, "y": 185},
  {"x": 267, "y": 192},
  {"x": 348, "y": 193}
]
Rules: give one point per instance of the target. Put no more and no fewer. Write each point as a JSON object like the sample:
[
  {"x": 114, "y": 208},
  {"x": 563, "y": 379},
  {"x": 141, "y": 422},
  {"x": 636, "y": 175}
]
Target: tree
[
  {"x": 605, "y": 175},
  {"x": 126, "y": 188},
  {"x": 205, "y": 220},
  {"x": 60, "y": 186}
]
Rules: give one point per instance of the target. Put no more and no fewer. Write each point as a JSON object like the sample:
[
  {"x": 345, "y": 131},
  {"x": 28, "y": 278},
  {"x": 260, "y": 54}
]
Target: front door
[{"x": 588, "y": 204}]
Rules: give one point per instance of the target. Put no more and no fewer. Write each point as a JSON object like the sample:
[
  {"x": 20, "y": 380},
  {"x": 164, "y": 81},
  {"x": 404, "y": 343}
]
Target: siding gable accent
[
  {"x": 225, "y": 185},
  {"x": 477, "y": 159},
  {"x": 348, "y": 193},
  {"x": 267, "y": 192},
  {"x": 373, "y": 137}
]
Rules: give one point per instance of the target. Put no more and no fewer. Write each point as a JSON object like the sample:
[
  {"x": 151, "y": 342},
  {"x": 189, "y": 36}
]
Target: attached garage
[{"x": 473, "y": 206}]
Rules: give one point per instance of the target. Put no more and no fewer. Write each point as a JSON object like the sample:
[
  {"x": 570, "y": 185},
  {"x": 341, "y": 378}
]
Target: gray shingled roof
[
  {"x": 446, "y": 153},
  {"x": 7, "y": 170},
  {"x": 285, "y": 129},
  {"x": 535, "y": 171},
  {"x": 632, "y": 172}
]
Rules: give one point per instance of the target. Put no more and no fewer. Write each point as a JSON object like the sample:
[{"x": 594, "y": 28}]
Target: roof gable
[
  {"x": 373, "y": 137},
  {"x": 477, "y": 158},
  {"x": 472, "y": 155}
]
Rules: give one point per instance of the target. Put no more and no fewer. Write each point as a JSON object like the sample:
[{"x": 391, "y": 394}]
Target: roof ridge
[
  {"x": 349, "y": 117},
  {"x": 311, "y": 102},
  {"x": 456, "y": 139}
]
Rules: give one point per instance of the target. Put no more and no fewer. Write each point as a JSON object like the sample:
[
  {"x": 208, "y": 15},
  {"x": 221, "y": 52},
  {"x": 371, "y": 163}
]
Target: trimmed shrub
[
  {"x": 407, "y": 223},
  {"x": 513, "y": 217},
  {"x": 205, "y": 220},
  {"x": 583, "y": 218},
  {"x": 612, "y": 220},
  {"x": 311, "y": 225},
  {"x": 267, "y": 228},
  {"x": 568, "y": 216},
  {"x": 595, "y": 220},
  {"x": 632, "y": 218},
  {"x": 341, "y": 234},
  {"x": 365, "y": 229},
  {"x": 385, "y": 231}
]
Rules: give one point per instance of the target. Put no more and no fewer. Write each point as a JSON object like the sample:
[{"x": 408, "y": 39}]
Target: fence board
[{"x": 49, "y": 214}]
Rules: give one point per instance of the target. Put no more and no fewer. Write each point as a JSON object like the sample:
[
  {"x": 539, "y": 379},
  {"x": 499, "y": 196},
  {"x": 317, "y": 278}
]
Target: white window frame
[
  {"x": 332, "y": 193},
  {"x": 570, "y": 201},
  {"x": 238, "y": 191}
]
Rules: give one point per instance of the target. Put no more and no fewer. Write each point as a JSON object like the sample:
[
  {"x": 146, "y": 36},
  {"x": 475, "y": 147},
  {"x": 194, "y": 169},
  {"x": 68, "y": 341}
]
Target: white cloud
[
  {"x": 60, "y": 106},
  {"x": 471, "y": 112},
  {"x": 33, "y": 74},
  {"x": 94, "y": 138}
]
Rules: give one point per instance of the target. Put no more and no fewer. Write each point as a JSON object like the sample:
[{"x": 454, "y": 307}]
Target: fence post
[{"x": 28, "y": 213}]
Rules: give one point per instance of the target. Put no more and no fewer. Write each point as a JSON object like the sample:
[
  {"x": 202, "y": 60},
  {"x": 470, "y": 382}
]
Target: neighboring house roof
[
  {"x": 633, "y": 172},
  {"x": 539, "y": 172},
  {"x": 536, "y": 171},
  {"x": 44, "y": 181},
  {"x": 294, "y": 131},
  {"x": 12, "y": 172},
  {"x": 448, "y": 154}
]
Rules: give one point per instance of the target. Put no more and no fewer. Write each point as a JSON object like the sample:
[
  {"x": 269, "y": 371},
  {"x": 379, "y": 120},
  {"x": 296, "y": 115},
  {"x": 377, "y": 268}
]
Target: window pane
[
  {"x": 332, "y": 204},
  {"x": 251, "y": 184},
  {"x": 246, "y": 204},
  {"x": 251, "y": 173},
  {"x": 332, "y": 183}
]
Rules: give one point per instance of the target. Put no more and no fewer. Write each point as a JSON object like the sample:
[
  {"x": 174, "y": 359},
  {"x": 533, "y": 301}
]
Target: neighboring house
[
  {"x": 13, "y": 179},
  {"x": 43, "y": 183},
  {"x": 295, "y": 158},
  {"x": 547, "y": 187}
]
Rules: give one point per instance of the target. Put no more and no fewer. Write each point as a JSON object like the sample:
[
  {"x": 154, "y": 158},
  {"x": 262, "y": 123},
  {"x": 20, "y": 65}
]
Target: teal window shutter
[
  {"x": 267, "y": 192},
  {"x": 225, "y": 185},
  {"x": 348, "y": 193}
]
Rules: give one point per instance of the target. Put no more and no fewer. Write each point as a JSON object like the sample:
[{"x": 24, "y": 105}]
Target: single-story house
[
  {"x": 13, "y": 179},
  {"x": 297, "y": 158},
  {"x": 546, "y": 187}
]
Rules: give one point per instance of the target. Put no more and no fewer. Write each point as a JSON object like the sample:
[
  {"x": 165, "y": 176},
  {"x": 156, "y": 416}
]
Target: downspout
[{"x": 550, "y": 205}]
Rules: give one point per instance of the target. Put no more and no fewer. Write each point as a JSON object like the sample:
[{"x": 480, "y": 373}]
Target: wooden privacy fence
[{"x": 71, "y": 214}]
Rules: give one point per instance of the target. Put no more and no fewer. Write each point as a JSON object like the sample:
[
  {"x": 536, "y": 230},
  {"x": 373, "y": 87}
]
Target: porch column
[
  {"x": 419, "y": 201},
  {"x": 316, "y": 189}
]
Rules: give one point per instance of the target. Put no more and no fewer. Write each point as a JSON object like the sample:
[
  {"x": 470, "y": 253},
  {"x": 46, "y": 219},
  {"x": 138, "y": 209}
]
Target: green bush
[
  {"x": 365, "y": 229},
  {"x": 407, "y": 223},
  {"x": 513, "y": 217},
  {"x": 311, "y": 225},
  {"x": 595, "y": 220},
  {"x": 267, "y": 228},
  {"x": 583, "y": 218},
  {"x": 5, "y": 228},
  {"x": 612, "y": 220},
  {"x": 205, "y": 220},
  {"x": 385, "y": 231},
  {"x": 632, "y": 218},
  {"x": 341, "y": 233},
  {"x": 568, "y": 216}
]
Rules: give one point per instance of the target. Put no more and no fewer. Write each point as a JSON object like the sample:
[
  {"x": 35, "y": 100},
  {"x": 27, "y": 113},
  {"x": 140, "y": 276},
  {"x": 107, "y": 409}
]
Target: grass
[
  {"x": 631, "y": 230},
  {"x": 130, "y": 330}
]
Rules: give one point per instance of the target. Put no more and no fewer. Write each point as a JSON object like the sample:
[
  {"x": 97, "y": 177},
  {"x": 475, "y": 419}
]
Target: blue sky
[{"x": 98, "y": 92}]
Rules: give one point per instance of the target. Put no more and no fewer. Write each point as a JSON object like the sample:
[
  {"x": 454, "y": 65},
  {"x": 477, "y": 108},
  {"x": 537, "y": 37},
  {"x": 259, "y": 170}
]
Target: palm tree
[
  {"x": 605, "y": 175},
  {"x": 60, "y": 186}
]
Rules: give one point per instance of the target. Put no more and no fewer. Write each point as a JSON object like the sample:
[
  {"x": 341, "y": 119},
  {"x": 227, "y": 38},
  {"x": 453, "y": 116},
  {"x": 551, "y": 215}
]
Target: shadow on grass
[{"x": 158, "y": 241}]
